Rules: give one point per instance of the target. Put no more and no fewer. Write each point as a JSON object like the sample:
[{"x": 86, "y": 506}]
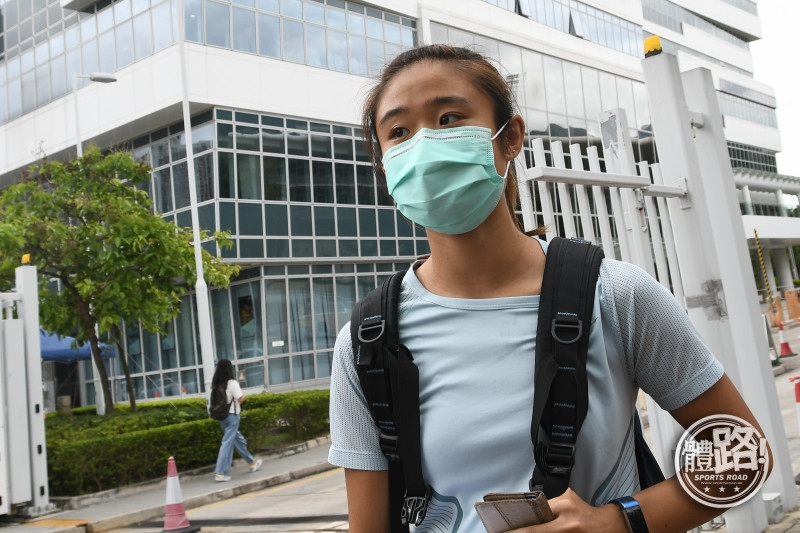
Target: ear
[{"x": 515, "y": 136}]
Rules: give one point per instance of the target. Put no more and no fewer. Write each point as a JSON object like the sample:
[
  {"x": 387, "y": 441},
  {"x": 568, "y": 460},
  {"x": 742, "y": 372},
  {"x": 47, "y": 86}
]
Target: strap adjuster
[
  {"x": 388, "y": 444},
  {"x": 559, "y": 458},
  {"x": 415, "y": 508},
  {"x": 569, "y": 325},
  {"x": 369, "y": 325}
]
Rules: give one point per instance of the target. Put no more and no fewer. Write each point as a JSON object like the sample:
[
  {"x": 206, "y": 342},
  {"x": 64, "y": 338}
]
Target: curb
[{"x": 125, "y": 520}]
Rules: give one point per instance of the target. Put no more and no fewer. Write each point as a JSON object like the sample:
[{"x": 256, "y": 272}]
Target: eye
[
  {"x": 397, "y": 133},
  {"x": 447, "y": 119}
]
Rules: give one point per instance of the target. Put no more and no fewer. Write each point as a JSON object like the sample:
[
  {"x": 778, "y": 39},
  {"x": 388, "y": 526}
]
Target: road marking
[{"x": 55, "y": 522}]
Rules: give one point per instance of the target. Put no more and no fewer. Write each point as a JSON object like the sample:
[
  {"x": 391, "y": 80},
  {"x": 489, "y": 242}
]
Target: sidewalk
[
  {"x": 117, "y": 509},
  {"x": 113, "y": 510}
]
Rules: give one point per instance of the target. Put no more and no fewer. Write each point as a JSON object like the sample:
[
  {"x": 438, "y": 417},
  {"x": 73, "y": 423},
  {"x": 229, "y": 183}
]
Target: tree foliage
[{"x": 87, "y": 227}]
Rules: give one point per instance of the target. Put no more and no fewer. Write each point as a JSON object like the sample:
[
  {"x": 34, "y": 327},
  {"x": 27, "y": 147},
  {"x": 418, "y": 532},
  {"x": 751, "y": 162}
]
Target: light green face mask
[{"x": 445, "y": 180}]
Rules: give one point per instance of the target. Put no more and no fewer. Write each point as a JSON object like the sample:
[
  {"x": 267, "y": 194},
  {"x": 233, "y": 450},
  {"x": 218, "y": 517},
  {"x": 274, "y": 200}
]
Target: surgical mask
[{"x": 445, "y": 180}]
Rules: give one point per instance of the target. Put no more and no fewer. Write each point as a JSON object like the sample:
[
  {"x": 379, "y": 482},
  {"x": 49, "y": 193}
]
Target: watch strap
[{"x": 633, "y": 512}]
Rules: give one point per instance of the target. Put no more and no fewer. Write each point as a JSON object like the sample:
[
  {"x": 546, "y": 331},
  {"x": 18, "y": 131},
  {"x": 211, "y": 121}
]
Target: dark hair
[
  {"x": 222, "y": 374},
  {"x": 483, "y": 74}
]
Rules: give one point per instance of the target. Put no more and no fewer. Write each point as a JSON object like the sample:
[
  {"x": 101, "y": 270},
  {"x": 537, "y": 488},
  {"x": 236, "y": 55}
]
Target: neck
[{"x": 494, "y": 260}]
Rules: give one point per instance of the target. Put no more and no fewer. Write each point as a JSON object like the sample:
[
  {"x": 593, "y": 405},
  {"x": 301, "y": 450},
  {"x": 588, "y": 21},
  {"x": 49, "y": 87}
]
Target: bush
[{"x": 88, "y": 453}]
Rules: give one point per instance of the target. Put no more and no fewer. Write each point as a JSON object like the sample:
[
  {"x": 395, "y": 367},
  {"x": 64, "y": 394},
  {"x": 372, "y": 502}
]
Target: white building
[{"x": 274, "y": 90}]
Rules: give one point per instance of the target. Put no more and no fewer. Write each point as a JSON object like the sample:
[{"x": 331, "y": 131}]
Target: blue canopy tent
[{"x": 59, "y": 349}]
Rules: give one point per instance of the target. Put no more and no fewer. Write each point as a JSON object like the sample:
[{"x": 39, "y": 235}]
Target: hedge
[{"x": 87, "y": 453}]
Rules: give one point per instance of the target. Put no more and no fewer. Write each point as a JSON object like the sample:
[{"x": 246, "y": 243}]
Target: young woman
[
  {"x": 231, "y": 438},
  {"x": 442, "y": 131}
]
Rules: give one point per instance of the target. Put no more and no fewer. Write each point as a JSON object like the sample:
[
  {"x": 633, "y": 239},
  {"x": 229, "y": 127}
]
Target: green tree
[{"x": 87, "y": 227}]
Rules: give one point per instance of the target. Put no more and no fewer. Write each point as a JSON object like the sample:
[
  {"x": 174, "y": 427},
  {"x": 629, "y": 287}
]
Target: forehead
[{"x": 417, "y": 84}]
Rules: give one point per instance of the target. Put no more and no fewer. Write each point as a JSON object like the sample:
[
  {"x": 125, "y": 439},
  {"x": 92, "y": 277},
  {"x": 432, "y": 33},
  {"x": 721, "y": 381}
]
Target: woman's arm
[
  {"x": 368, "y": 500},
  {"x": 666, "y": 506}
]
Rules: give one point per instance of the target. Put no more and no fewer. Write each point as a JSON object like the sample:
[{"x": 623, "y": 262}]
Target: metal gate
[{"x": 680, "y": 221}]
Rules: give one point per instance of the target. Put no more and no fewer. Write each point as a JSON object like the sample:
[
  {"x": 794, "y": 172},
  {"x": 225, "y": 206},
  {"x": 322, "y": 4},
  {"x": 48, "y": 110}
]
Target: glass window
[
  {"x": 278, "y": 369},
  {"x": 345, "y": 185},
  {"x": 299, "y": 181},
  {"x": 337, "y": 50},
  {"x": 248, "y": 176},
  {"x": 293, "y": 49},
  {"x": 203, "y": 137},
  {"x": 184, "y": 333},
  {"x": 292, "y": 8},
  {"x": 180, "y": 178},
  {"x": 314, "y": 12},
  {"x": 89, "y": 56},
  {"x": 122, "y": 10},
  {"x": 302, "y": 367},
  {"x": 244, "y": 30},
  {"x": 150, "y": 351},
  {"x": 357, "y": 54},
  {"x": 108, "y": 60},
  {"x": 273, "y": 141},
  {"x": 366, "y": 222},
  {"x": 193, "y": 20},
  {"x": 218, "y": 32},
  {"x": 324, "y": 313},
  {"x": 162, "y": 26},
  {"x": 315, "y": 46},
  {"x": 268, "y": 5},
  {"x": 297, "y": 143},
  {"x": 207, "y": 216},
  {"x": 366, "y": 187},
  {"x": 248, "y": 138},
  {"x": 324, "y": 221},
  {"x": 250, "y": 219},
  {"x": 274, "y": 178},
  {"x": 386, "y": 222},
  {"x": 321, "y": 146},
  {"x": 323, "y": 182},
  {"x": 269, "y": 35},
  {"x": 276, "y": 318},
  {"x": 277, "y": 221},
  {"x": 246, "y": 300},
  {"x": 301, "y": 220},
  {"x": 42, "y": 85},
  {"x": 224, "y": 135},
  {"x": 346, "y": 220},
  {"x": 177, "y": 146},
  {"x": 345, "y": 299},
  {"x": 300, "y": 317},
  {"x": 57, "y": 71},
  {"x": 142, "y": 38},
  {"x": 355, "y": 23},
  {"x": 124, "y": 34},
  {"x": 225, "y": 164},
  {"x": 162, "y": 187}
]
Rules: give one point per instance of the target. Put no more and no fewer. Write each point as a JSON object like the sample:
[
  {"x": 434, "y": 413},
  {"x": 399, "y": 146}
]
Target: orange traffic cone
[
  {"x": 786, "y": 351},
  {"x": 176, "y": 515}
]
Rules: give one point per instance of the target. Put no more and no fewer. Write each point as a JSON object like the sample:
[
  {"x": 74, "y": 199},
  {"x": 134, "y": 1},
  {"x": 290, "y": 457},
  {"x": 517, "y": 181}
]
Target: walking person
[
  {"x": 223, "y": 380},
  {"x": 441, "y": 130}
]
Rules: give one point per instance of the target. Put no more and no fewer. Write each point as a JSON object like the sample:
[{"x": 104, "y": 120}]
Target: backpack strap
[
  {"x": 561, "y": 397},
  {"x": 390, "y": 382}
]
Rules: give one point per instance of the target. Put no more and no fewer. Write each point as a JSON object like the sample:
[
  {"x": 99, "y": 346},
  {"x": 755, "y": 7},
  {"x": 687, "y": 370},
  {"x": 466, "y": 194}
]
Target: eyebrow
[{"x": 436, "y": 101}]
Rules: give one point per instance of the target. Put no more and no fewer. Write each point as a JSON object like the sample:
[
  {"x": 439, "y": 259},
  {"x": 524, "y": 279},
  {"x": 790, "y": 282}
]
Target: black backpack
[
  {"x": 219, "y": 407},
  {"x": 390, "y": 381}
]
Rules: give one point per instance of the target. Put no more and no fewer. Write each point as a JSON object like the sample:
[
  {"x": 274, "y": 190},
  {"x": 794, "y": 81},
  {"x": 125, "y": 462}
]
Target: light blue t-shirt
[{"x": 476, "y": 366}]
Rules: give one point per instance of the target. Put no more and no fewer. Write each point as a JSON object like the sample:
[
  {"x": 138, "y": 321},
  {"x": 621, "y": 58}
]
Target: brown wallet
[{"x": 504, "y": 511}]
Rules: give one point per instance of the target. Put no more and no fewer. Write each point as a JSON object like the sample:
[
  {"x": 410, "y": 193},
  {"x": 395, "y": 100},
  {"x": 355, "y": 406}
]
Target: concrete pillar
[
  {"x": 746, "y": 200},
  {"x": 781, "y": 204},
  {"x": 785, "y": 281}
]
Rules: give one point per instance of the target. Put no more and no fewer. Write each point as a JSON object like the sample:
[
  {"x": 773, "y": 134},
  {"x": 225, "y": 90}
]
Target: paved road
[{"x": 312, "y": 504}]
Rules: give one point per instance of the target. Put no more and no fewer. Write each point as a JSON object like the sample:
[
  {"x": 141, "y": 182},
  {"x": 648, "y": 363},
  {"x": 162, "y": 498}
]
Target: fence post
[{"x": 720, "y": 293}]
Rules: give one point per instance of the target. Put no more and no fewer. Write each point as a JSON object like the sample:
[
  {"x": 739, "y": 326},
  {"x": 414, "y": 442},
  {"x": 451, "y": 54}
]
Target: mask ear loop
[{"x": 500, "y": 130}]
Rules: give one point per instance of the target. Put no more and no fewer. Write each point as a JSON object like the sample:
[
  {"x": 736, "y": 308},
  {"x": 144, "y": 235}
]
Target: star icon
[
  {"x": 736, "y": 489},
  {"x": 708, "y": 489},
  {"x": 722, "y": 489}
]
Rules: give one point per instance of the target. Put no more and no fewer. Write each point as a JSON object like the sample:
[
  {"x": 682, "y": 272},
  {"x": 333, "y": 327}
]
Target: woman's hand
[{"x": 575, "y": 515}]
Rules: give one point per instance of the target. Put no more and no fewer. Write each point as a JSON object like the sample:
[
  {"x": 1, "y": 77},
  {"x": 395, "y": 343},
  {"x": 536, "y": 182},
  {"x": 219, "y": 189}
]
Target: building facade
[{"x": 274, "y": 88}]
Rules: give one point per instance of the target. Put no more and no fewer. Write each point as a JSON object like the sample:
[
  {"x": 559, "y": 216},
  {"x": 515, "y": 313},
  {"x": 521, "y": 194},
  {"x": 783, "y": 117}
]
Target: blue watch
[{"x": 633, "y": 512}]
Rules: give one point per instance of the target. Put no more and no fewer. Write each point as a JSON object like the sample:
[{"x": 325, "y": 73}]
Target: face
[{"x": 434, "y": 95}]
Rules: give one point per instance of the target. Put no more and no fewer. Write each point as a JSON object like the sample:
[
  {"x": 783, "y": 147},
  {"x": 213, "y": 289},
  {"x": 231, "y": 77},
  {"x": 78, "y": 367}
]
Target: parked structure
[{"x": 273, "y": 89}]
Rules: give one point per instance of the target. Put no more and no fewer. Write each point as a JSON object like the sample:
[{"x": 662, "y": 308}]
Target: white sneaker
[
  {"x": 256, "y": 465},
  {"x": 221, "y": 477}
]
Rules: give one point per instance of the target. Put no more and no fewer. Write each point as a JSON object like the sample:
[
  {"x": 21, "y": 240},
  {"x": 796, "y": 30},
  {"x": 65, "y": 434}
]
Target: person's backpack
[
  {"x": 219, "y": 407},
  {"x": 390, "y": 381}
]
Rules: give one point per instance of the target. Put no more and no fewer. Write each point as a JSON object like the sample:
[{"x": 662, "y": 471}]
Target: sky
[{"x": 775, "y": 63}]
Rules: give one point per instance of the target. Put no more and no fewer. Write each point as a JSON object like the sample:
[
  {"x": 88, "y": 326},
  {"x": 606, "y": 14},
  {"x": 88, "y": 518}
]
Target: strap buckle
[
  {"x": 568, "y": 323},
  {"x": 369, "y": 325},
  {"x": 388, "y": 444},
  {"x": 559, "y": 458},
  {"x": 415, "y": 508}
]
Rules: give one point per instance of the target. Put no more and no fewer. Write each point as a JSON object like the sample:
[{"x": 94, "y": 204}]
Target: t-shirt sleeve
[
  {"x": 234, "y": 393},
  {"x": 664, "y": 353},
  {"x": 354, "y": 436}
]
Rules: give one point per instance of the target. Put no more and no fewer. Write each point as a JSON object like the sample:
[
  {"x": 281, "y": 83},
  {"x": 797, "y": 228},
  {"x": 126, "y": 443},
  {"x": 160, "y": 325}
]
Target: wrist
[{"x": 631, "y": 514}]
